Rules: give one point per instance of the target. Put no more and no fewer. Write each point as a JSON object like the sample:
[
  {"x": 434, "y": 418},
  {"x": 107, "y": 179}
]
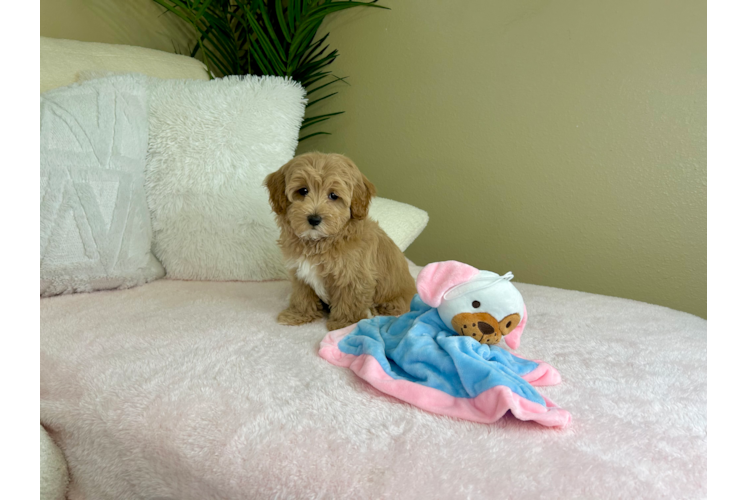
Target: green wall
[
  {"x": 125, "y": 22},
  {"x": 564, "y": 141}
]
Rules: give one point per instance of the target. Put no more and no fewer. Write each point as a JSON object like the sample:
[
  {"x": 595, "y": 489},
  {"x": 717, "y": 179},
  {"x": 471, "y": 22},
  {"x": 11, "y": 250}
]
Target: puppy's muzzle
[{"x": 314, "y": 220}]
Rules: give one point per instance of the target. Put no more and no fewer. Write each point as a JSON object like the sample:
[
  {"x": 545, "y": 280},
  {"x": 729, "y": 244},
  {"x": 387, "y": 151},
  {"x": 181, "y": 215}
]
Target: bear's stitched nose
[
  {"x": 485, "y": 328},
  {"x": 314, "y": 220}
]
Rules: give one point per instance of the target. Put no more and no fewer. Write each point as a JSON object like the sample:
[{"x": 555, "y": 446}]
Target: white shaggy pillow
[
  {"x": 211, "y": 145},
  {"x": 95, "y": 229}
]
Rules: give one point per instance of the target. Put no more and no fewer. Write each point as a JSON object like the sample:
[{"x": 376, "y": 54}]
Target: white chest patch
[{"x": 309, "y": 274}]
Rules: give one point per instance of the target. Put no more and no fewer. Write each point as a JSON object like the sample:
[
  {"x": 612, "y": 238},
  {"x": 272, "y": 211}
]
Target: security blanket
[{"x": 442, "y": 355}]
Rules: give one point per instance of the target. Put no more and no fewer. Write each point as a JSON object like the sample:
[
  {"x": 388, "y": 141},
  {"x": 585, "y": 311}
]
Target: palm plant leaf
[
  {"x": 312, "y": 135},
  {"x": 266, "y": 37},
  {"x": 336, "y": 80}
]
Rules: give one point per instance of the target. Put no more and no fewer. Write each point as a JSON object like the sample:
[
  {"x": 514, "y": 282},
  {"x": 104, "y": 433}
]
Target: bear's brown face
[{"x": 483, "y": 327}]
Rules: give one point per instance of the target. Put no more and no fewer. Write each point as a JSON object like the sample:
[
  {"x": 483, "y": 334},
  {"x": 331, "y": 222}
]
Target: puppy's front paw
[
  {"x": 337, "y": 324},
  {"x": 394, "y": 308},
  {"x": 293, "y": 317}
]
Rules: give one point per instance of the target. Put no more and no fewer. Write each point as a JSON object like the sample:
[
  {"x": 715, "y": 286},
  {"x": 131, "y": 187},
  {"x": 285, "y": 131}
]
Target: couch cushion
[
  {"x": 62, "y": 60},
  {"x": 191, "y": 390}
]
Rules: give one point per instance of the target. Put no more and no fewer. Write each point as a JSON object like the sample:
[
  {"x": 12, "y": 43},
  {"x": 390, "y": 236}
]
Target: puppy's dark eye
[
  {"x": 332, "y": 196},
  {"x": 476, "y": 304},
  {"x": 303, "y": 191}
]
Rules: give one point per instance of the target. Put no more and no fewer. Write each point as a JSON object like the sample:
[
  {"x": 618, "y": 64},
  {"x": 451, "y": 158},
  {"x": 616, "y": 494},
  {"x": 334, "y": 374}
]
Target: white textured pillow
[
  {"x": 402, "y": 222},
  {"x": 95, "y": 229},
  {"x": 211, "y": 145}
]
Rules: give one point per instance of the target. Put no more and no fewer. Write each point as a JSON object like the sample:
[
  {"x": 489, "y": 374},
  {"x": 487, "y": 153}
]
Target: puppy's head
[{"x": 318, "y": 194}]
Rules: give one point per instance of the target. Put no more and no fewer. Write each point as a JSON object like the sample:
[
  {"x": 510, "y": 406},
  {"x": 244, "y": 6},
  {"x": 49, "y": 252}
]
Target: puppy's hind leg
[
  {"x": 350, "y": 303},
  {"x": 304, "y": 306}
]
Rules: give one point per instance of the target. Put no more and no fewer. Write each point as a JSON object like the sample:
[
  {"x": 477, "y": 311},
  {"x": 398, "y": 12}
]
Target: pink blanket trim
[{"x": 487, "y": 407}]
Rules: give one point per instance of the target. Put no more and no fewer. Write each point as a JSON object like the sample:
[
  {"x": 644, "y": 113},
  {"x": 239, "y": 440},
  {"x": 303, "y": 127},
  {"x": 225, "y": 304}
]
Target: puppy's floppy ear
[
  {"x": 276, "y": 184},
  {"x": 363, "y": 192}
]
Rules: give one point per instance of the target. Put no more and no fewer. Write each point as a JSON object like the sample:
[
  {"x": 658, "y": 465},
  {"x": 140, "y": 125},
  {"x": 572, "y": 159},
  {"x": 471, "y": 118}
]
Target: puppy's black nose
[
  {"x": 314, "y": 220},
  {"x": 485, "y": 328}
]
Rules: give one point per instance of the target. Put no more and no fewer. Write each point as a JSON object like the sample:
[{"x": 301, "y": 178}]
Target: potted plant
[{"x": 267, "y": 37}]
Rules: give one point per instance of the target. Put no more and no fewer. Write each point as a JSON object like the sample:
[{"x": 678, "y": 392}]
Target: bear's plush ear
[
  {"x": 512, "y": 340},
  {"x": 436, "y": 278}
]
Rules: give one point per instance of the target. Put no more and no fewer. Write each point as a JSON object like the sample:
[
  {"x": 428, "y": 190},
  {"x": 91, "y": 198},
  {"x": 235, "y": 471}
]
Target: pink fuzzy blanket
[{"x": 189, "y": 390}]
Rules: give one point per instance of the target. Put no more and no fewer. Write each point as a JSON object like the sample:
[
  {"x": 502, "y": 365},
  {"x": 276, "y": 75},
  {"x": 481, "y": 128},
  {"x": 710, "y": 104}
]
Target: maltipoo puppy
[{"x": 335, "y": 254}]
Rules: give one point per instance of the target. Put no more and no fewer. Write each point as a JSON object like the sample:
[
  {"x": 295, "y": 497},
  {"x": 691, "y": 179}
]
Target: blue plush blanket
[
  {"x": 419, "y": 347},
  {"x": 417, "y": 358}
]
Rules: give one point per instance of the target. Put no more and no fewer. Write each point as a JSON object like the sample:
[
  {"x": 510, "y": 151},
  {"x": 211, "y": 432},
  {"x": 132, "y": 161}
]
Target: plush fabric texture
[
  {"x": 402, "y": 222},
  {"x": 191, "y": 390},
  {"x": 418, "y": 359},
  {"x": 95, "y": 228},
  {"x": 211, "y": 146},
  {"x": 62, "y": 60},
  {"x": 53, "y": 471}
]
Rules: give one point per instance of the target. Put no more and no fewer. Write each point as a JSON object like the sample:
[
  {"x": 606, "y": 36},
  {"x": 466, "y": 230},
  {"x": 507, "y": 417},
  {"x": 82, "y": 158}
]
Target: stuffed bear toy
[
  {"x": 442, "y": 356},
  {"x": 478, "y": 304}
]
